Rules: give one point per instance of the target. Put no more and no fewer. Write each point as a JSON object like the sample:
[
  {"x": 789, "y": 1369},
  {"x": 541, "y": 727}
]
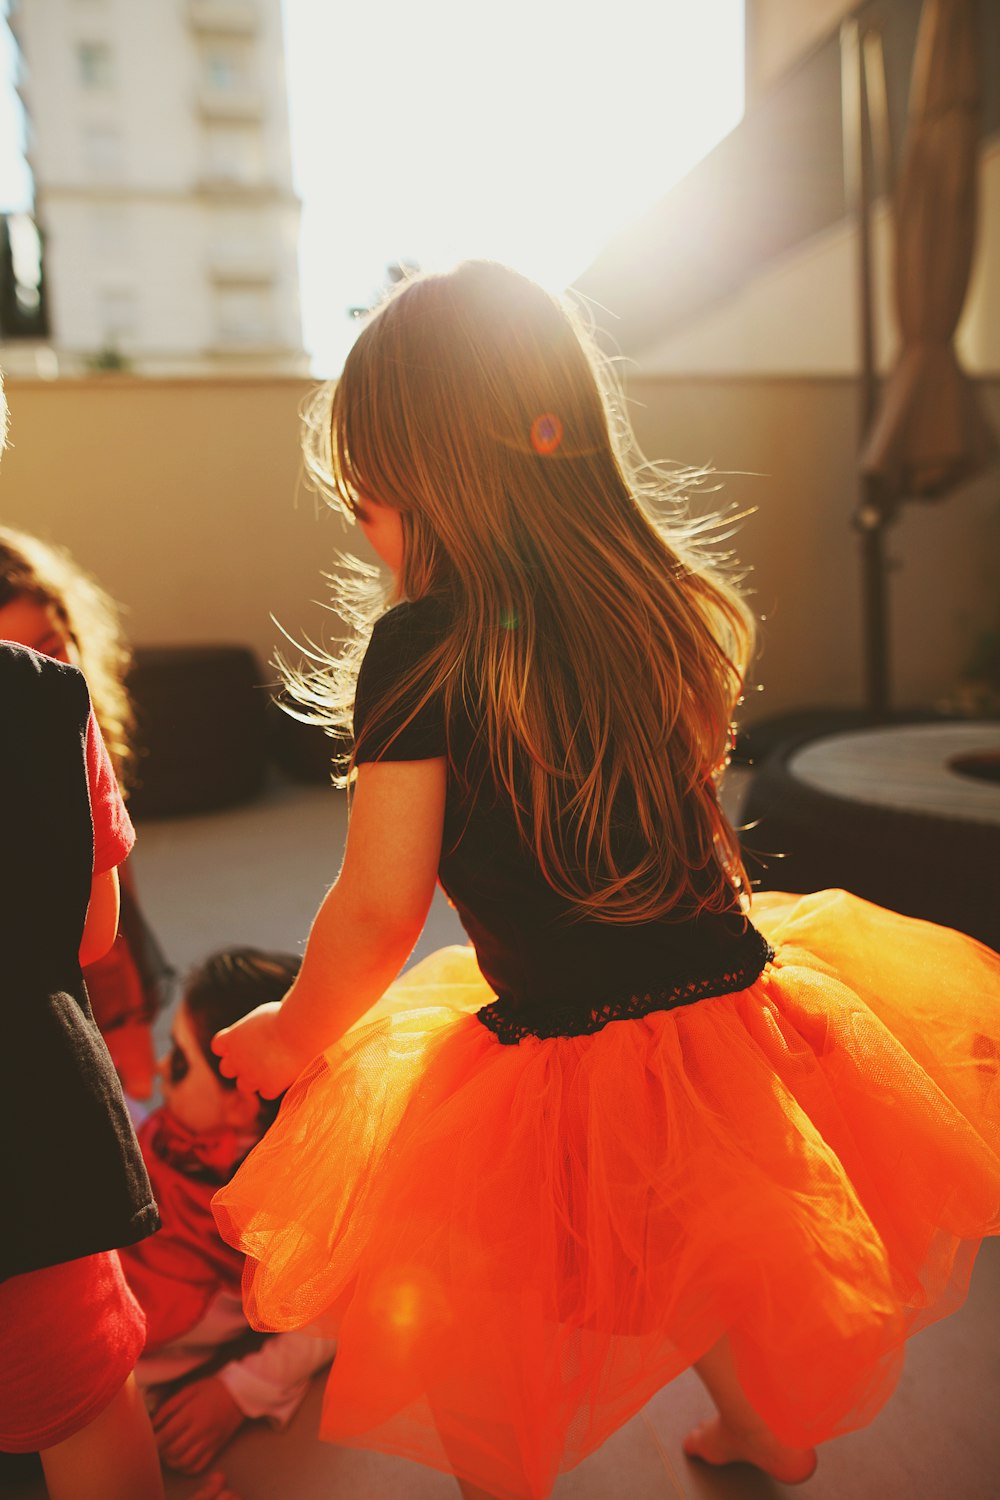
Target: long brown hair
[
  {"x": 591, "y": 634},
  {"x": 33, "y": 569}
]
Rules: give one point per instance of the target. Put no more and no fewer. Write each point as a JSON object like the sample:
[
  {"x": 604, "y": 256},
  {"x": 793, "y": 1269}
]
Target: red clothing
[
  {"x": 127, "y": 983},
  {"x": 177, "y": 1273},
  {"x": 113, "y": 831},
  {"x": 69, "y": 1339}
]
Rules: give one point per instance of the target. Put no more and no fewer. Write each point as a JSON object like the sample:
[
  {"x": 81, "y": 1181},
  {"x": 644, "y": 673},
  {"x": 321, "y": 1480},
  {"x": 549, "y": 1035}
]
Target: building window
[
  {"x": 244, "y": 316},
  {"x": 240, "y": 245},
  {"x": 95, "y": 65},
  {"x": 234, "y": 154},
  {"x": 224, "y": 68},
  {"x": 103, "y": 150},
  {"x": 110, "y": 233},
  {"x": 117, "y": 315}
]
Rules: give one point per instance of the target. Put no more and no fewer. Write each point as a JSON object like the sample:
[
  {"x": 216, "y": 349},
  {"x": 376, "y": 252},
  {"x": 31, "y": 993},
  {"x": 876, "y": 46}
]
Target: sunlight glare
[
  {"x": 529, "y": 133},
  {"x": 15, "y": 179}
]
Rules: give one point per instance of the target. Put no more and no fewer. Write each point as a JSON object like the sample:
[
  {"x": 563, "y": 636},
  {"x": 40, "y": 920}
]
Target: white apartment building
[{"x": 159, "y": 145}]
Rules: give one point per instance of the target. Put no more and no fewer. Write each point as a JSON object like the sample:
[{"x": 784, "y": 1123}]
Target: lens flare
[{"x": 546, "y": 433}]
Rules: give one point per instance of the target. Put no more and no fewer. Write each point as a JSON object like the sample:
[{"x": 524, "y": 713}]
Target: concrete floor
[{"x": 256, "y": 874}]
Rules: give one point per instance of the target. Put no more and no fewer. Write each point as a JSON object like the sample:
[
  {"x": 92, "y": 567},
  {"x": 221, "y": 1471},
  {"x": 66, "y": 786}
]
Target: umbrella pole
[
  {"x": 869, "y": 521},
  {"x": 869, "y": 516}
]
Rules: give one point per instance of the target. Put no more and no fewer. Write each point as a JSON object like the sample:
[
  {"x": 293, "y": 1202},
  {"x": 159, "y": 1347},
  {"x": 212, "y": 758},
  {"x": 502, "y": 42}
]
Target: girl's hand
[{"x": 258, "y": 1053}]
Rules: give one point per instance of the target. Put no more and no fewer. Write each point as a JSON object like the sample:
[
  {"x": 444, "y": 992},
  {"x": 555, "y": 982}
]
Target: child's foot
[{"x": 715, "y": 1443}]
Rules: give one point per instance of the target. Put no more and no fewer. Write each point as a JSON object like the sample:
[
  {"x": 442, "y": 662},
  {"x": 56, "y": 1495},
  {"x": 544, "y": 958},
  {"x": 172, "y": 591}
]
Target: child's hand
[
  {"x": 194, "y": 1425},
  {"x": 258, "y": 1053}
]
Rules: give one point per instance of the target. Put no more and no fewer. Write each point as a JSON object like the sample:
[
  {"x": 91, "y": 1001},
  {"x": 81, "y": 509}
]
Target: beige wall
[
  {"x": 779, "y": 32},
  {"x": 798, "y": 313},
  {"x": 184, "y": 499},
  {"x": 789, "y": 447}
]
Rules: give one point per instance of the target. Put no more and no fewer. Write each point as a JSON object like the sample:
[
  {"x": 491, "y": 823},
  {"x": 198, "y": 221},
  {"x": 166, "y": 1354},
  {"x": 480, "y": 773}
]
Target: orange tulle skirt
[{"x": 516, "y": 1246}]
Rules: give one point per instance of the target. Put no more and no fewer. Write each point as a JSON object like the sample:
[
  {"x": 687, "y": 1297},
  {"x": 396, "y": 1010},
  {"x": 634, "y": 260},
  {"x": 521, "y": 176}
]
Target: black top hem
[
  {"x": 511, "y": 1025},
  {"x": 77, "y": 1245}
]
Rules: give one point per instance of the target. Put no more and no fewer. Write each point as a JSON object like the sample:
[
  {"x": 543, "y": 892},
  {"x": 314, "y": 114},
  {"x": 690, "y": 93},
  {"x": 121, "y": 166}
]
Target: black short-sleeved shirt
[
  {"x": 539, "y": 956},
  {"x": 72, "y": 1178}
]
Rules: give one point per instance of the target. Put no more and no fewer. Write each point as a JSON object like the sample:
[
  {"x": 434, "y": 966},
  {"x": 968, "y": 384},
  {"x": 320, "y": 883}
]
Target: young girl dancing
[{"x": 652, "y": 1133}]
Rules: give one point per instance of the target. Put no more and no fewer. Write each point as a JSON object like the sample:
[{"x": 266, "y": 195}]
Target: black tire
[
  {"x": 201, "y": 729},
  {"x": 303, "y": 752},
  {"x": 799, "y": 838}
]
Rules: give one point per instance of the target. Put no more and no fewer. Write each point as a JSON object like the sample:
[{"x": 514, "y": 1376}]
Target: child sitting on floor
[{"x": 186, "y": 1278}]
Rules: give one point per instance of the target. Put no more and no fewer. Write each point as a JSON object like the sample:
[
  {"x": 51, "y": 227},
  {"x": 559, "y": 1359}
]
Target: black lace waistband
[{"x": 511, "y": 1025}]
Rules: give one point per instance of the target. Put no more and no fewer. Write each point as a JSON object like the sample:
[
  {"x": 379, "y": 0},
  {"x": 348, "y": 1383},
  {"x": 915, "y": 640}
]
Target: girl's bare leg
[
  {"x": 114, "y": 1458},
  {"x": 739, "y": 1434},
  {"x": 468, "y": 1491}
]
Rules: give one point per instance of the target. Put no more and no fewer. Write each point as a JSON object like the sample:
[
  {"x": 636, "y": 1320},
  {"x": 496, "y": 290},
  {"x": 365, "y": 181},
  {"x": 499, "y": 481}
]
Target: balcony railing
[
  {"x": 233, "y": 17},
  {"x": 241, "y": 267},
  {"x": 222, "y": 182},
  {"x": 242, "y": 344},
  {"x": 242, "y": 101}
]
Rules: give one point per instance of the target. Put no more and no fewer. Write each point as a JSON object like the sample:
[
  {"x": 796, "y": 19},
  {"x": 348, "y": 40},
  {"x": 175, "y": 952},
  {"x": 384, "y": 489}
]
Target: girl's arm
[
  {"x": 101, "y": 925},
  {"x": 363, "y": 932}
]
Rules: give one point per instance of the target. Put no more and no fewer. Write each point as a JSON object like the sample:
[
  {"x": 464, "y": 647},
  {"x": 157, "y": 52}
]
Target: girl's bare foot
[{"x": 715, "y": 1443}]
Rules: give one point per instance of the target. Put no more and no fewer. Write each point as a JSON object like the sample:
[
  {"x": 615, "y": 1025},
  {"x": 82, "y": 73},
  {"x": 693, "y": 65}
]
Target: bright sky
[
  {"x": 15, "y": 180},
  {"x": 529, "y": 131}
]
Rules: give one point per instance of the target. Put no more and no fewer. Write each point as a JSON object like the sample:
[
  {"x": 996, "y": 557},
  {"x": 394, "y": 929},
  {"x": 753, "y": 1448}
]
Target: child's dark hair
[{"x": 226, "y": 987}]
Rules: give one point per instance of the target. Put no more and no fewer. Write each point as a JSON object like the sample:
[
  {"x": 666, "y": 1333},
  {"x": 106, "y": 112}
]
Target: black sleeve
[{"x": 400, "y": 641}]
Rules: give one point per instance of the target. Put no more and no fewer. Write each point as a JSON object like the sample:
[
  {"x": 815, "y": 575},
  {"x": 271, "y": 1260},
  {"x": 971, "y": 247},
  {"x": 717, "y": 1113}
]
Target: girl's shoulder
[
  {"x": 32, "y": 682},
  {"x": 404, "y": 636},
  {"x": 398, "y": 714},
  {"x": 428, "y": 618}
]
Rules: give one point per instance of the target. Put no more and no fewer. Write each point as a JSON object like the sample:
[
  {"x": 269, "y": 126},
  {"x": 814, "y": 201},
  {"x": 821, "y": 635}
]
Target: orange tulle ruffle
[{"x": 516, "y": 1246}]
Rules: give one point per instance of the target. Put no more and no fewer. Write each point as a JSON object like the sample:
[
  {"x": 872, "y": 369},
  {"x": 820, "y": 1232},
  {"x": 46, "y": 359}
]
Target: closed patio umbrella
[{"x": 929, "y": 433}]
